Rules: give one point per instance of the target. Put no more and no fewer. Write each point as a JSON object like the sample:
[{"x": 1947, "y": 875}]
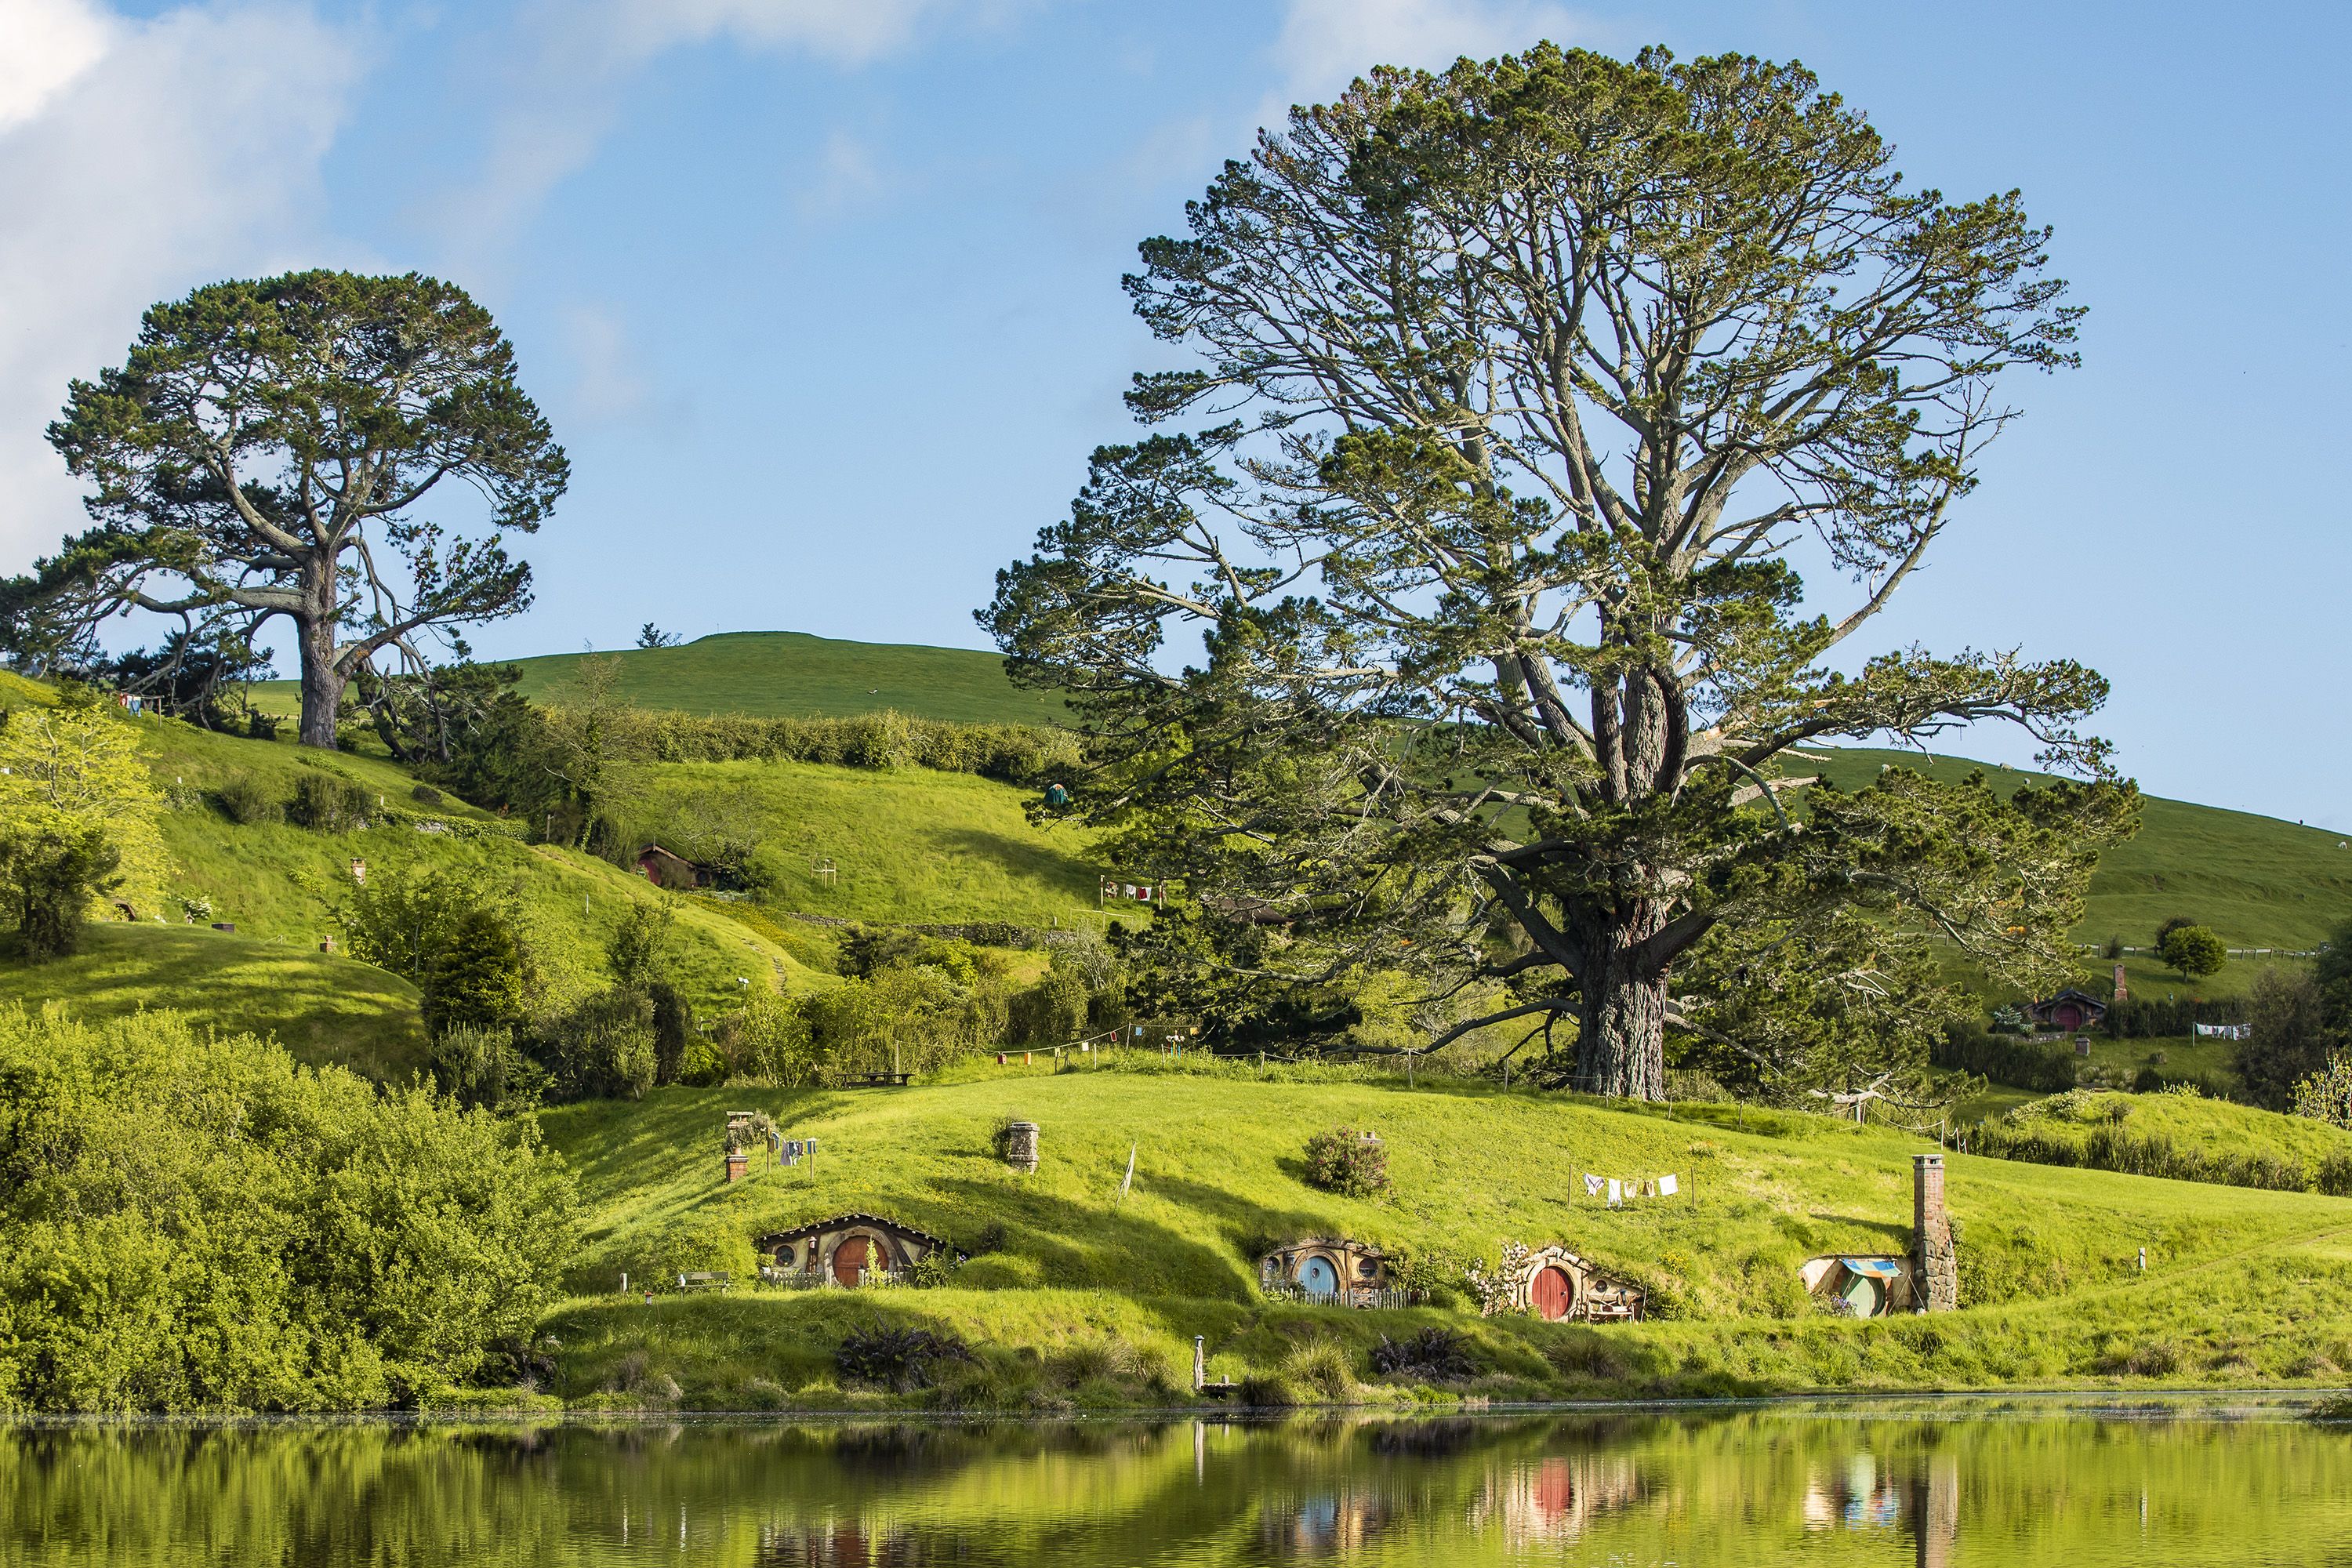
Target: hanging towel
[
  {"x": 1616, "y": 1193},
  {"x": 1667, "y": 1186},
  {"x": 1591, "y": 1185}
]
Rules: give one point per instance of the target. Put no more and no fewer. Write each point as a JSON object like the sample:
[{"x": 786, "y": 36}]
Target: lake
[{"x": 1920, "y": 1483}]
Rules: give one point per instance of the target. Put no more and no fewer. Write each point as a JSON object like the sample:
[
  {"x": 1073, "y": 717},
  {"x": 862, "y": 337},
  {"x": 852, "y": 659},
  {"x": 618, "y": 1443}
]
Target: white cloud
[
  {"x": 137, "y": 160},
  {"x": 846, "y": 174},
  {"x": 608, "y": 383},
  {"x": 1327, "y": 44},
  {"x": 50, "y": 43}
]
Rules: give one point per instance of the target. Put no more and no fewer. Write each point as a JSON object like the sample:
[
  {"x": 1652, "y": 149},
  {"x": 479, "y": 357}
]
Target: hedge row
[
  {"x": 1017, "y": 753},
  {"x": 2111, "y": 1148},
  {"x": 2004, "y": 1058}
]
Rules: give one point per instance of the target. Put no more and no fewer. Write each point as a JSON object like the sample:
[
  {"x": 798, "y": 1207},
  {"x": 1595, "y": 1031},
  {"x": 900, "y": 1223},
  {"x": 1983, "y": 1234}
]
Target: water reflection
[{"x": 1659, "y": 1488}]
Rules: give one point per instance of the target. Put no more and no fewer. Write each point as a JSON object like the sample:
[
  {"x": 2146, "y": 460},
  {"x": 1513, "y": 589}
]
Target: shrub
[
  {"x": 290, "y": 1238},
  {"x": 483, "y": 1066},
  {"x": 1346, "y": 1160},
  {"x": 898, "y": 1359},
  {"x": 770, "y": 1041},
  {"x": 2291, "y": 1035},
  {"x": 1434, "y": 1354},
  {"x": 2326, "y": 1094},
  {"x": 478, "y": 976},
  {"x": 260, "y": 726},
  {"x": 425, "y": 794},
  {"x": 50, "y": 875},
  {"x": 2193, "y": 951},
  {"x": 246, "y": 801},
  {"x": 2020, "y": 1064},
  {"x": 1319, "y": 1368},
  {"x": 327, "y": 804},
  {"x": 602, "y": 1048}
]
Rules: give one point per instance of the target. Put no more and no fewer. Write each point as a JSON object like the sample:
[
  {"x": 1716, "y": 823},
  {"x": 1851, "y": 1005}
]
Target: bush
[
  {"x": 289, "y": 1238},
  {"x": 477, "y": 978},
  {"x": 2020, "y": 1064},
  {"x": 327, "y": 804},
  {"x": 425, "y": 794},
  {"x": 50, "y": 878},
  {"x": 1320, "y": 1369},
  {"x": 2193, "y": 951},
  {"x": 602, "y": 1048},
  {"x": 246, "y": 801},
  {"x": 2292, "y": 1033},
  {"x": 260, "y": 726},
  {"x": 897, "y": 1359},
  {"x": 768, "y": 1041},
  {"x": 1434, "y": 1354},
  {"x": 484, "y": 1067},
  {"x": 1348, "y": 1162}
]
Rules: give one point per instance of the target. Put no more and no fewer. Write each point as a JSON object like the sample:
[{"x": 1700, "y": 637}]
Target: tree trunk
[
  {"x": 1621, "y": 1045},
  {"x": 322, "y": 682}
]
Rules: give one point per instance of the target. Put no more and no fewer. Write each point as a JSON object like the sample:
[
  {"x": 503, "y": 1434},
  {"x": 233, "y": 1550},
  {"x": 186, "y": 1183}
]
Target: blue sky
[{"x": 824, "y": 298}]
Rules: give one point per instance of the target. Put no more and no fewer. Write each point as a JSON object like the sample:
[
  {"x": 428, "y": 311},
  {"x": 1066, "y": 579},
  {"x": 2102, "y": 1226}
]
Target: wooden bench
[
  {"x": 881, "y": 1079},
  {"x": 705, "y": 1281}
]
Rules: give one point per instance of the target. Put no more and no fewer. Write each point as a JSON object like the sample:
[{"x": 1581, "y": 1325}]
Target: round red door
[
  {"x": 1553, "y": 1293},
  {"x": 849, "y": 1261}
]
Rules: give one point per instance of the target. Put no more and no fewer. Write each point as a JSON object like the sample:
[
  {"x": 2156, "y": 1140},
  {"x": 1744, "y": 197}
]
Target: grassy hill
[
  {"x": 2244, "y": 1286},
  {"x": 2258, "y": 881},
  {"x": 791, "y": 674}
]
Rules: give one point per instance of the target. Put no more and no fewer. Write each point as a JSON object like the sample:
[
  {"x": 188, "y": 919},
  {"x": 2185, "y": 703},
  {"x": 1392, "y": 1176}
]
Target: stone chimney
[
  {"x": 1937, "y": 1278},
  {"x": 2123, "y": 992}
]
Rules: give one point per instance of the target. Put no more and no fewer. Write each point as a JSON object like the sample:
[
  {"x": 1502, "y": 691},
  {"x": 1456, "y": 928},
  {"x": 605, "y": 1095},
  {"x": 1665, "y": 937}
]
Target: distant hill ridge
[{"x": 2259, "y": 881}]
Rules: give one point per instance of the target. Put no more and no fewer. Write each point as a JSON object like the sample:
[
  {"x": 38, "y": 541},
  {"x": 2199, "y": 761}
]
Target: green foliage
[
  {"x": 2297, "y": 1026},
  {"x": 478, "y": 978},
  {"x": 483, "y": 1066},
  {"x": 194, "y": 1223},
  {"x": 1434, "y": 1355},
  {"x": 770, "y": 1041},
  {"x": 255, "y": 431},
  {"x": 401, "y": 918},
  {"x": 602, "y": 1048},
  {"x": 1468, "y": 706},
  {"x": 898, "y": 1359},
  {"x": 2020, "y": 1064},
  {"x": 79, "y": 816},
  {"x": 641, "y": 948},
  {"x": 245, "y": 800},
  {"x": 1348, "y": 1160},
  {"x": 2327, "y": 1094},
  {"x": 2193, "y": 951},
  {"x": 325, "y": 803}
]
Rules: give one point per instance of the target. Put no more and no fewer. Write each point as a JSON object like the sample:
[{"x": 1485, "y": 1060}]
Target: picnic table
[
  {"x": 880, "y": 1080},
  {"x": 705, "y": 1281}
]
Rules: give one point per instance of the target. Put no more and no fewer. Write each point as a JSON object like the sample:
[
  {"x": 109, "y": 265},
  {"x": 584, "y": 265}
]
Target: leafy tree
[
  {"x": 2193, "y": 951},
  {"x": 652, "y": 635},
  {"x": 78, "y": 816},
  {"x": 2294, "y": 1025},
  {"x": 1520, "y": 384},
  {"x": 478, "y": 978},
  {"x": 644, "y": 945},
  {"x": 2325, "y": 1095},
  {"x": 264, "y": 451},
  {"x": 603, "y": 1048},
  {"x": 403, "y": 919}
]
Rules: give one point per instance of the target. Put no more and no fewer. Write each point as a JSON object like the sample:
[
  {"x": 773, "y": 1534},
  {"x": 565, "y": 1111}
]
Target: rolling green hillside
[
  {"x": 2258, "y": 881},
  {"x": 788, "y": 674},
  {"x": 908, "y": 844},
  {"x": 2242, "y": 1285}
]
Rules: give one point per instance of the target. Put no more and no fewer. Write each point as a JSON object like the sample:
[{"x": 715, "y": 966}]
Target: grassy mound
[
  {"x": 324, "y": 1008},
  {"x": 910, "y": 844},
  {"x": 2239, "y": 1279},
  {"x": 787, "y": 673}
]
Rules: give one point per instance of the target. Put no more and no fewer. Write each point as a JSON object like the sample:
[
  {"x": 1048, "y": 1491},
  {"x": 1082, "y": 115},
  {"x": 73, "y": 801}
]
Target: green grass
[
  {"x": 2202, "y": 1126},
  {"x": 325, "y": 1008},
  {"x": 792, "y": 674},
  {"x": 2258, "y": 881},
  {"x": 282, "y": 885},
  {"x": 908, "y": 845},
  {"x": 2245, "y": 1283}
]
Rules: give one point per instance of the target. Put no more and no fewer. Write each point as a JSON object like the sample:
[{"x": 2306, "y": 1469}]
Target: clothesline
[{"x": 1618, "y": 1189}]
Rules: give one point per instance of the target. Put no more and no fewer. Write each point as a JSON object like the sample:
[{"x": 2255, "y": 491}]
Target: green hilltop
[{"x": 785, "y": 675}]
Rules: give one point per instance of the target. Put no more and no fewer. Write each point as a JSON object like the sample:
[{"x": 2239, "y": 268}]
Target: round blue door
[{"x": 1318, "y": 1278}]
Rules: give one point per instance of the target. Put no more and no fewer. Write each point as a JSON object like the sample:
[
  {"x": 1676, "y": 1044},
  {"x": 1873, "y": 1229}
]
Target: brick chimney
[
  {"x": 1937, "y": 1279},
  {"x": 2123, "y": 992}
]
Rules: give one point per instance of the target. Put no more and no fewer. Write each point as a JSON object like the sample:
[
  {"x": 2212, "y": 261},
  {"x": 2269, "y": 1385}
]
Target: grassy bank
[{"x": 1092, "y": 1299}]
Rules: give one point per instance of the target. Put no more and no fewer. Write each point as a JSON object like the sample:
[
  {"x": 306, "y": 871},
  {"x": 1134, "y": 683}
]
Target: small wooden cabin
[
  {"x": 1558, "y": 1285},
  {"x": 2068, "y": 1010},
  {"x": 1862, "y": 1286},
  {"x": 1327, "y": 1269},
  {"x": 846, "y": 1250},
  {"x": 665, "y": 869}
]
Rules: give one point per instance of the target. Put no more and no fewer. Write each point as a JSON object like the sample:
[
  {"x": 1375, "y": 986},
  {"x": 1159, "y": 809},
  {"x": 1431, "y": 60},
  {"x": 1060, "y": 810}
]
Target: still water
[{"x": 1926, "y": 1485}]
